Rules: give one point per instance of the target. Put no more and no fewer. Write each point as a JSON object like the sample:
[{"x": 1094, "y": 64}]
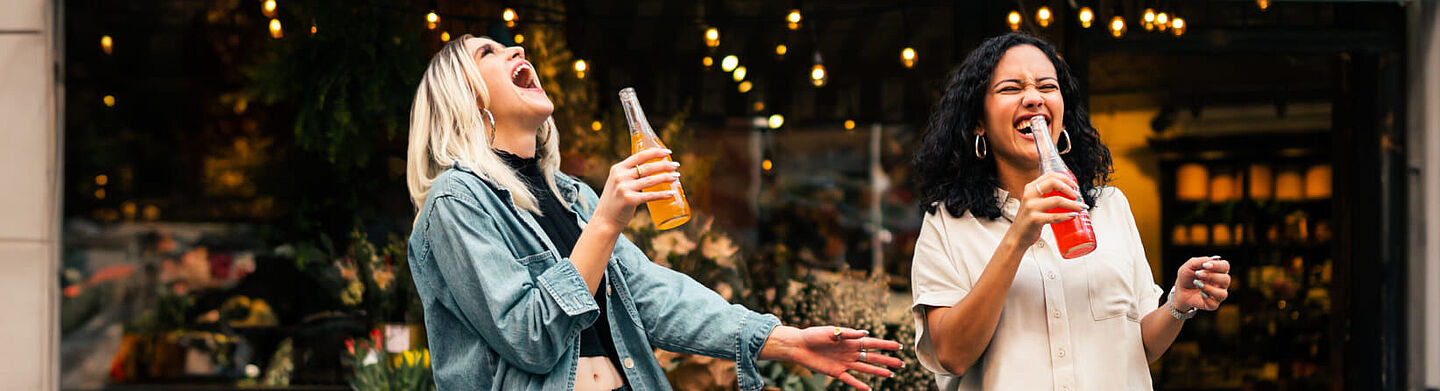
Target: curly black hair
[{"x": 945, "y": 164}]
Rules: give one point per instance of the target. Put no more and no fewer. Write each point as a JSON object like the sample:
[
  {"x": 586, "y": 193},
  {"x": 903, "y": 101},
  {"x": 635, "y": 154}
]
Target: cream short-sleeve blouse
[{"x": 1067, "y": 325}]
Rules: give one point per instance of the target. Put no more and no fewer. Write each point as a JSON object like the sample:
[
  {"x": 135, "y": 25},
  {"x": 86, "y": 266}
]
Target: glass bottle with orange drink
[
  {"x": 1075, "y": 237},
  {"x": 666, "y": 213}
]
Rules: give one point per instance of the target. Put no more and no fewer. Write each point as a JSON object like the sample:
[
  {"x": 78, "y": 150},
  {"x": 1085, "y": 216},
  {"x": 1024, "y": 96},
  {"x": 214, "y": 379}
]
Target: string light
[
  {"x": 1117, "y": 26},
  {"x": 313, "y": 28},
  {"x": 102, "y": 180},
  {"x": 1162, "y": 21},
  {"x": 1014, "y": 20},
  {"x": 268, "y": 8},
  {"x": 99, "y": 194},
  {"x": 793, "y": 19},
  {"x": 1263, "y": 4},
  {"x": 1177, "y": 26},
  {"x": 766, "y": 165},
  {"x": 109, "y": 100},
  {"x": 509, "y": 17},
  {"x": 580, "y": 68},
  {"x": 849, "y": 124},
  {"x": 745, "y": 87},
  {"x": 444, "y": 36},
  {"x": 432, "y": 20},
  {"x": 1148, "y": 19},
  {"x": 596, "y": 125},
  {"x": 712, "y": 37},
  {"x": 107, "y": 44},
  {"x": 759, "y": 106},
  {"x": 776, "y": 121},
  {"x": 729, "y": 63},
  {"x": 519, "y": 38},
  {"x": 1086, "y": 17},
  {"x": 1043, "y": 16},
  {"x": 708, "y": 61},
  {"x": 739, "y": 73},
  {"x": 907, "y": 57},
  {"x": 275, "y": 31},
  {"x": 781, "y": 49},
  {"x": 818, "y": 75}
]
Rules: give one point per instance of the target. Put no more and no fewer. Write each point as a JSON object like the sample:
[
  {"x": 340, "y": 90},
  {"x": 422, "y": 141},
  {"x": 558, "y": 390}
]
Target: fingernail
[
  {"x": 1204, "y": 296},
  {"x": 668, "y": 151},
  {"x": 892, "y": 375},
  {"x": 866, "y": 332},
  {"x": 1073, "y": 214},
  {"x": 1199, "y": 285},
  {"x": 1208, "y": 265},
  {"x": 1214, "y": 257}
]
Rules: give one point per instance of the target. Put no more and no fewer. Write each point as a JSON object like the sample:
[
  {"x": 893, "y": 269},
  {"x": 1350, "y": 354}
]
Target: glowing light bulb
[
  {"x": 781, "y": 49},
  {"x": 432, "y": 20},
  {"x": 776, "y": 121},
  {"x": 739, "y": 73},
  {"x": 102, "y": 180},
  {"x": 596, "y": 125},
  {"x": 519, "y": 38},
  {"x": 109, "y": 100},
  {"x": 1043, "y": 16},
  {"x": 509, "y": 17},
  {"x": 580, "y": 68},
  {"x": 745, "y": 87},
  {"x": 107, "y": 44},
  {"x": 849, "y": 124},
  {"x": 712, "y": 37},
  {"x": 907, "y": 57},
  {"x": 1086, "y": 17},
  {"x": 729, "y": 63},
  {"x": 1263, "y": 4},
  {"x": 1148, "y": 19},
  {"x": 275, "y": 31},
  {"x": 708, "y": 61},
  {"x": 444, "y": 36},
  {"x": 767, "y": 165},
  {"x": 1177, "y": 26},
  {"x": 1162, "y": 21},
  {"x": 268, "y": 8},
  {"x": 793, "y": 19},
  {"x": 1117, "y": 26},
  {"x": 1014, "y": 20}
]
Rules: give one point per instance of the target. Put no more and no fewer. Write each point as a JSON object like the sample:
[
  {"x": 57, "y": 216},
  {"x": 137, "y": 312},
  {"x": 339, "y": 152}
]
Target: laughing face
[
  {"x": 1023, "y": 85},
  {"x": 514, "y": 87}
]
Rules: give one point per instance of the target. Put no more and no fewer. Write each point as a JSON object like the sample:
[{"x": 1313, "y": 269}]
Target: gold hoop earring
[
  {"x": 1068, "y": 142},
  {"x": 492, "y": 125},
  {"x": 979, "y": 141}
]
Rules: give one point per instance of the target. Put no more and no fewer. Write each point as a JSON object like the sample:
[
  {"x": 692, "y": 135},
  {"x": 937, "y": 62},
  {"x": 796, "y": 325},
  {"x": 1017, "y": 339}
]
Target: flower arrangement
[{"x": 377, "y": 369}]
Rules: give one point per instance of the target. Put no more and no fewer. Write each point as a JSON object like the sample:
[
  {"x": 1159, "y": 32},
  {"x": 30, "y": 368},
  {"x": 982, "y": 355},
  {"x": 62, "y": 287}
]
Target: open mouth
[
  {"x": 524, "y": 76},
  {"x": 1022, "y": 125}
]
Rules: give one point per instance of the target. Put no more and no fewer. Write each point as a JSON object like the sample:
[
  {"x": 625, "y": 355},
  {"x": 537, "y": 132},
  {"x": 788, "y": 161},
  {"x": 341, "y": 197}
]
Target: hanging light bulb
[
  {"x": 519, "y": 39},
  {"x": 508, "y": 16},
  {"x": 766, "y": 165},
  {"x": 1177, "y": 26},
  {"x": 432, "y": 20},
  {"x": 707, "y": 61},
  {"x": 268, "y": 8},
  {"x": 849, "y": 124},
  {"x": 275, "y": 31},
  {"x": 1263, "y": 4},
  {"x": 313, "y": 28},
  {"x": 729, "y": 63},
  {"x": 444, "y": 36},
  {"x": 1148, "y": 19},
  {"x": 712, "y": 37},
  {"x": 1086, "y": 17},
  {"x": 818, "y": 76},
  {"x": 776, "y": 121},
  {"x": 1117, "y": 26},
  {"x": 781, "y": 49},
  {"x": 1043, "y": 16},
  {"x": 107, "y": 44},
  {"x": 758, "y": 106},
  {"x": 739, "y": 73},
  {"x": 745, "y": 86},
  {"x": 1162, "y": 21},
  {"x": 793, "y": 19},
  {"x": 907, "y": 57},
  {"x": 580, "y": 68},
  {"x": 596, "y": 125},
  {"x": 1014, "y": 20},
  {"x": 109, "y": 100}
]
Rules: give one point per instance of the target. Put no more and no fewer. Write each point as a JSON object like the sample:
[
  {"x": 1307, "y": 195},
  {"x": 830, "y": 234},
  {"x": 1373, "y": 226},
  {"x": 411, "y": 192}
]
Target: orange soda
[{"x": 666, "y": 213}]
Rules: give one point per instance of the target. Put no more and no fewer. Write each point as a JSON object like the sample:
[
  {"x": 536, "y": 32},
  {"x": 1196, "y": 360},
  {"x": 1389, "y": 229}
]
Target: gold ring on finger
[{"x": 638, "y": 173}]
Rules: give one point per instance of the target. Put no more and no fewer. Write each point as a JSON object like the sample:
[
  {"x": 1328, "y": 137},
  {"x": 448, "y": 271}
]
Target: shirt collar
[{"x": 1009, "y": 206}]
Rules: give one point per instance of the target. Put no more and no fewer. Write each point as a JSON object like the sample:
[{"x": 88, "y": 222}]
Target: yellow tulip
[{"x": 426, "y": 354}]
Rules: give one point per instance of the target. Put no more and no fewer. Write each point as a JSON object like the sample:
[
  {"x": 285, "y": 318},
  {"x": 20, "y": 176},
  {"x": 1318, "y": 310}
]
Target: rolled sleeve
[
  {"x": 564, "y": 283},
  {"x": 752, "y": 332}
]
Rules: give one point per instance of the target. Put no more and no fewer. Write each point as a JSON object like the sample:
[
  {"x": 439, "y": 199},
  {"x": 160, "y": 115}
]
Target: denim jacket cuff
[
  {"x": 753, "y": 330},
  {"x": 563, "y": 282}
]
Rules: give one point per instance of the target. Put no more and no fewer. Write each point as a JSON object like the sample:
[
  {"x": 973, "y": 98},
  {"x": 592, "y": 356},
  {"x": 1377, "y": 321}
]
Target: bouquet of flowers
[{"x": 378, "y": 369}]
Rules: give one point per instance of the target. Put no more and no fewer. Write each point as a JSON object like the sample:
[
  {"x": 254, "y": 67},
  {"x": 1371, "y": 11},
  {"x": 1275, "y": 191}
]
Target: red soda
[{"x": 1075, "y": 237}]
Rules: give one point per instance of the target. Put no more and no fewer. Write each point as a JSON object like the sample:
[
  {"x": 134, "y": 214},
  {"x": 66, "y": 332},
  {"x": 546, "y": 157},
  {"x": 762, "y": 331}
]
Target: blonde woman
[{"x": 526, "y": 281}]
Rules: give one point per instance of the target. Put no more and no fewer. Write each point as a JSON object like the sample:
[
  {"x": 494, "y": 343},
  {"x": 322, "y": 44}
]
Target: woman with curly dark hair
[{"x": 996, "y": 307}]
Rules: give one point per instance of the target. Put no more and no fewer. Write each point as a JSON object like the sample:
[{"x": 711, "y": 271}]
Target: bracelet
[{"x": 1177, "y": 314}]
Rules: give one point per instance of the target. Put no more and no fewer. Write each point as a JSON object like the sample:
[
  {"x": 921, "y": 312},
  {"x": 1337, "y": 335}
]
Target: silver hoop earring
[
  {"x": 492, "y": 125},
  {"x": 1068, "y": 142},
  {"x": 980, "y": 140}
]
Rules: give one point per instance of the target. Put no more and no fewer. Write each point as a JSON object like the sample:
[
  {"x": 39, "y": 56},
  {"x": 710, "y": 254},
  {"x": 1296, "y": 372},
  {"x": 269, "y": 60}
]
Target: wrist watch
[{"x": 1177, "y": 314}]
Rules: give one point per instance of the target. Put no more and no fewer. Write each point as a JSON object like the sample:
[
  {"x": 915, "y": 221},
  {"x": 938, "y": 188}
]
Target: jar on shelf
[
  {"x": 1192, "y": 182},
  {"x": 1317, "y": 182},
  {"x": 1262, "y": 182}
]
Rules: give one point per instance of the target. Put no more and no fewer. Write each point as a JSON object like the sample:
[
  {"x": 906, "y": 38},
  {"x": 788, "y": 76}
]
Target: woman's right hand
[
  {"x": 1034, "y": 206},
  {"x": 625, "y": 187}
]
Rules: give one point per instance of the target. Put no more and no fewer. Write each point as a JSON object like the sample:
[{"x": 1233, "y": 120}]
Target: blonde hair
[{"x": 446, "y": 129}]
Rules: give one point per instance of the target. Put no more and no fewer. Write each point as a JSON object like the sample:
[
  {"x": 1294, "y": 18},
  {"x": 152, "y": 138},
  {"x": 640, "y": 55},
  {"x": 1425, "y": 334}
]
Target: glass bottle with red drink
[{"x": 1075, "y": 237}]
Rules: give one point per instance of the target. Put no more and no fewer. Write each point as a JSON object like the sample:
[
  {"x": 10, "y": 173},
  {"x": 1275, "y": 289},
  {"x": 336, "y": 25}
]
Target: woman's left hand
[
  {"x": 1202, "y": 282},
  {"x": 833, "y": 351}
]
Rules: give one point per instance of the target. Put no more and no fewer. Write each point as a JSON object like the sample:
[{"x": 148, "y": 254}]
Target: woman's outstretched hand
[
  {"x": 833, "y": 351},
  {"x": 625, "y": 187}
]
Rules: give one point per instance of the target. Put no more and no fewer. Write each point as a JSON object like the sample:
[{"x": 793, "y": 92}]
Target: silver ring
[{"x": 862, "y": 356}]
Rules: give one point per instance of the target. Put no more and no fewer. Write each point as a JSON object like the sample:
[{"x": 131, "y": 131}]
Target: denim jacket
[{"x": 503, "y": 311}]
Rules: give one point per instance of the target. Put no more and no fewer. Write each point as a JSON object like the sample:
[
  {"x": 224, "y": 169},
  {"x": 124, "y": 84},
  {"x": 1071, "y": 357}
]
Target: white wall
[
  {"x": 1424, "y": 161},
  {"x": 29, "y": 206}
]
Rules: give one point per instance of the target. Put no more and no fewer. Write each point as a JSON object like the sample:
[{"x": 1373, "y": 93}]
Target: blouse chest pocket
[
  {"x": 1110, "y": 277},
  {"x": 537, "y": 263}
]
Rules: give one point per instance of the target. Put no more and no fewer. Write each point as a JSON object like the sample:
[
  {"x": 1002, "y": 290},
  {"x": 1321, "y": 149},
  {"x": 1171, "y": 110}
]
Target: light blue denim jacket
[{"x": 504, "y": 311}]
